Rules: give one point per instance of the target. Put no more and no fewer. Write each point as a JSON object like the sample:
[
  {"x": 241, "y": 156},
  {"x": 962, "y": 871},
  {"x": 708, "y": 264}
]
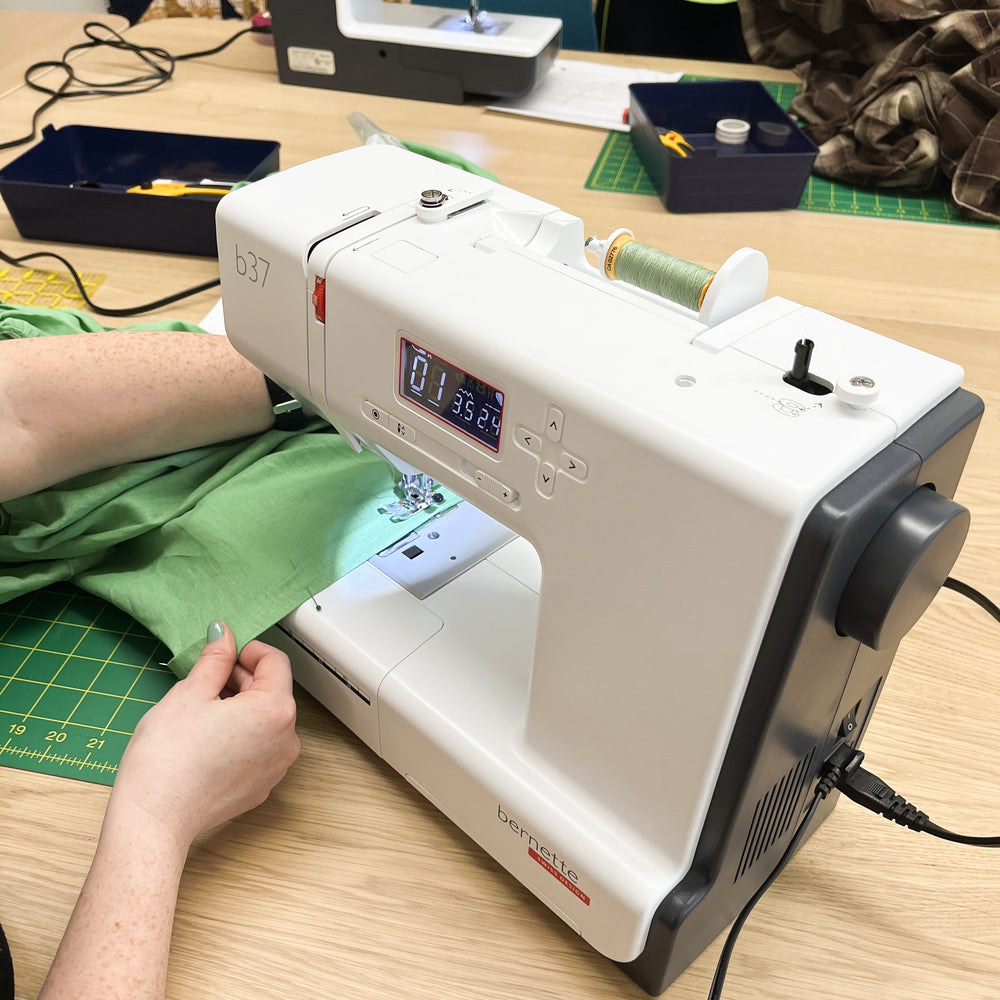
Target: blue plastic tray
[
  {"x": 768, "y": 172},
  {"x": 72, "y": 186}
]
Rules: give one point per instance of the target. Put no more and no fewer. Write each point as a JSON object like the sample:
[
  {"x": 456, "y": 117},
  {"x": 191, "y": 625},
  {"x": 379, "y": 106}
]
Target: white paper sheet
[{"x": 584, "y": 93}]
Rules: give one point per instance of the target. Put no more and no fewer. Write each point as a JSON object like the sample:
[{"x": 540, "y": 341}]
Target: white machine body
[
  {"x": 523, "y": 35},
  {"x": 568, "y": 698}
]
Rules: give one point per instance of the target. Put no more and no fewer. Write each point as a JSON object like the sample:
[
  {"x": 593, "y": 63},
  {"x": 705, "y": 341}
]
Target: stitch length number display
[{"x": 251, "y": 267}]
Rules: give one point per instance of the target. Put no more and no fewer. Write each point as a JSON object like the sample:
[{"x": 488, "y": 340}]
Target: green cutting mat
[
  {"x": 619, "y": 169},
  {"x": 76, "y": 675}
]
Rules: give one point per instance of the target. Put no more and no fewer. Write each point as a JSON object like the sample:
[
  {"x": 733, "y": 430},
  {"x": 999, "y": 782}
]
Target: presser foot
[
  {"x": 416, "y": 494},
  {"x": 475, "y": 20}
]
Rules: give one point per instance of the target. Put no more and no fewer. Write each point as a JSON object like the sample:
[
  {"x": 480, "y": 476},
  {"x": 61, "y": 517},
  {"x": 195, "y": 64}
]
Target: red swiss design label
[{"x": 555, "y": 873}]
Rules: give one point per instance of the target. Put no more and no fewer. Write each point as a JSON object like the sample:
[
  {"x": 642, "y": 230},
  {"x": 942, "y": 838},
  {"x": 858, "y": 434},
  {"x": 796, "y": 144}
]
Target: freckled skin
[
  {"x": 72, "y": 404},
  {"x": 214, "y": 747}
]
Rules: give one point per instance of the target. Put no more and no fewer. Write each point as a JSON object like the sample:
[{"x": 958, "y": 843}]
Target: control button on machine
[
  {"x": 849, "y": 724},
  {"x": 902, "y": 569},
  {"x": 494, "y": 487},
  {"x": 545, "y": 481},
  {"x": 554, "y": 424},
  {"x": 550, "y": 456},
  {"x": 405, "y": 431},
  {"x": 376, "y": 413},
  {"x": 573, "y": 466},
  {"x": 528, "y": 439}
]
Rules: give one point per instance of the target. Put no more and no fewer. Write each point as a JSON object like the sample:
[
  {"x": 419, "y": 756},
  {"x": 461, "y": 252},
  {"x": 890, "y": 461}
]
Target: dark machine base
[
  {"x": 812, "y": 687},
  {"x": 393, "y": 70}
]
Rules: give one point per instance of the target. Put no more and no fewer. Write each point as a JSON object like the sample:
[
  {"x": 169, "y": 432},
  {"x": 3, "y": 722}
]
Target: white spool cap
[
  {"x": 739, "y": 284},
  {"x": 732, "y": 131},
  {"x": 858, "y": 391}
]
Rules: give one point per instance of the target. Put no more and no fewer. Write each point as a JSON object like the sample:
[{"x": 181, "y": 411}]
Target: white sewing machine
[
  {"x": 696, "y": 559},
  {"x": 409, "y": 50}
]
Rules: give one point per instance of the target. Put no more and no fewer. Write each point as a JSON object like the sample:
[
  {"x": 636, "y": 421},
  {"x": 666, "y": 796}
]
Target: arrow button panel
[{"x": 547, "y": 448}]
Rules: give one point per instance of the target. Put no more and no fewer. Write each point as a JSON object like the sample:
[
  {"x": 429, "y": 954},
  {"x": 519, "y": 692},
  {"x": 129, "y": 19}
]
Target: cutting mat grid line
[
  {"x": 76, "y": 675},
  {"x": 618, "y": 169},
  {"x": 28, "y": 286}
]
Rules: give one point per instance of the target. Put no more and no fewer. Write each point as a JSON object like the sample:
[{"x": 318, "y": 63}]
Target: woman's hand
[{"x": 216, "y": 744}]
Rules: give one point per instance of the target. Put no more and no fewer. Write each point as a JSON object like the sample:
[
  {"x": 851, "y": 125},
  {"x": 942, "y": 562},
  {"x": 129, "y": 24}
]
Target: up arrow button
[{"x": 554, "y": 424}]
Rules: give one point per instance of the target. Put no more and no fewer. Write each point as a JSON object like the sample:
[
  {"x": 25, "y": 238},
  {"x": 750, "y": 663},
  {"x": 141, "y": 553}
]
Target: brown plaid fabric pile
[{"x": 896, "y": 93}]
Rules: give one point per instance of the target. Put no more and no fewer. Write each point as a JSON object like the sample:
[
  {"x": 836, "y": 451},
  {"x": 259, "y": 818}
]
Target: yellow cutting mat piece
[{"x": 30, "y": 286}]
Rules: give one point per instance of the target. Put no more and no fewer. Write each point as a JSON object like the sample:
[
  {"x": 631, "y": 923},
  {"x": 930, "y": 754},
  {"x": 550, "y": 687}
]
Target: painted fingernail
[{"x": 215, "y": 631}]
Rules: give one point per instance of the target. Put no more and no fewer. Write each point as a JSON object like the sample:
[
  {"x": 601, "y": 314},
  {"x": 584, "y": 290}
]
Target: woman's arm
[
  {"x": 214, "y": 747},
  {"x": 72, "y": 404}
]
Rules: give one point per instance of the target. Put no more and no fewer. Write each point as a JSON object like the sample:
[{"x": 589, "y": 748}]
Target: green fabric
[
  {"x": 243, "y": 532},
  {"x": 32, "y": 321}
]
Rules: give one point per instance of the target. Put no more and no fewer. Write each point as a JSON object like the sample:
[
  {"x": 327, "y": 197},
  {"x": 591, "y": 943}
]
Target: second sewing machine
[{"x": 689, "y": 549}]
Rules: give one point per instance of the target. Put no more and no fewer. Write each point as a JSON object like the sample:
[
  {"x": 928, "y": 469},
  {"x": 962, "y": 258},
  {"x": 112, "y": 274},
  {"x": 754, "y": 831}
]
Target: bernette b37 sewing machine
[{"x": 687, "y": 556}]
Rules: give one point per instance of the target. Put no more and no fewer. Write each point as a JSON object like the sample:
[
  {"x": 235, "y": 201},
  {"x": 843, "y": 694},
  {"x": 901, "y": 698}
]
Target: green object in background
[
  {"x": 76, "y": 675},
  {"x": 618, "y": 169},
  {"x": 452, "y": 159}
]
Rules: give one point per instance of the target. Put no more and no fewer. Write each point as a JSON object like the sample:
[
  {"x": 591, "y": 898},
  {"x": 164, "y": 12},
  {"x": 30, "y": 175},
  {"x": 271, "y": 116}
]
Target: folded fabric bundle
[
  {"x": 244, "y": 531},
  {"x": 896, "y": 93}
]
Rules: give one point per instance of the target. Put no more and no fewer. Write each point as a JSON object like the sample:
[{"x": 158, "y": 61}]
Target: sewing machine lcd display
[{"x": 469, "y": 404}]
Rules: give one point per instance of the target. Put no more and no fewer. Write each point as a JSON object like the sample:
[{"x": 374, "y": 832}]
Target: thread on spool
[{"x": 655, "y": 271}]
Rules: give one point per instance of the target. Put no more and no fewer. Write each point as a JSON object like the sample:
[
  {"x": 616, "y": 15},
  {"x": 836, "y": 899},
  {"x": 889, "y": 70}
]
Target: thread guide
[{"x": 800, "y": 376}]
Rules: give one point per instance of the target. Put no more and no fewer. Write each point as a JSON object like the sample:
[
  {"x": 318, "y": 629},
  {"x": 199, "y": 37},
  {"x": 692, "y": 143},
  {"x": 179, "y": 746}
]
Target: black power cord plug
[
  {"x": 844, "y": 760},
  {"x": 873, "y": 793},
  {"x": 842, "y": 771}
]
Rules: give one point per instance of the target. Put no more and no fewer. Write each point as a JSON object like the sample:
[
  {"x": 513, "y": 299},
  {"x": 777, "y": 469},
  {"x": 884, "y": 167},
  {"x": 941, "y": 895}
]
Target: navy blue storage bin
[
  {"x": 71, "y": 187},
  {"x": 769, "y": 171}
]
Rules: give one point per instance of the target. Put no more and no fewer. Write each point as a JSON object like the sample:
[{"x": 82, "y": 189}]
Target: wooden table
[{"x": 347, "y": 883}]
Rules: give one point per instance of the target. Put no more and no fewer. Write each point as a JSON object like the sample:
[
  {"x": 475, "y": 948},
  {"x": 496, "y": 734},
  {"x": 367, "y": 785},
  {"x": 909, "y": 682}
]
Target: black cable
[
  {"x": 262, "y": 30},
  {"x": 873, "y": 793},
  {"x": 159, "y": 65},
  {"x": 722, "y": 966},
  {"x": 846, "y": 773},
  {"x": 39, "y": 111},
  {"x": 158, "y": 69},
  {"x": 959, "y": 838},
  {"x": 100, "y": 310},
  {"x": 973, "y": 595},
  {"x": 843, "y": 771}
]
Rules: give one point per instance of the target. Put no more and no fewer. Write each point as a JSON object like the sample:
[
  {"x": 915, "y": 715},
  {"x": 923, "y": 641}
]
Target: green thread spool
[{"x": 655, "y": 271}]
